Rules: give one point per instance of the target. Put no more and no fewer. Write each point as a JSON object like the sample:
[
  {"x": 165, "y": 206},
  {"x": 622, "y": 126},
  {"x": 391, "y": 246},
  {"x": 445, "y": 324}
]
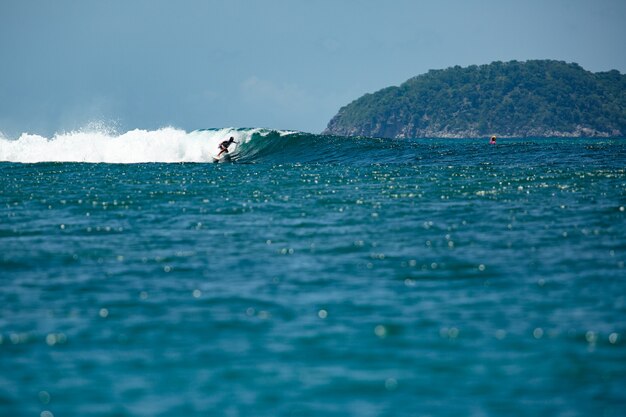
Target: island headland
[{"x": 538, "y": 98}]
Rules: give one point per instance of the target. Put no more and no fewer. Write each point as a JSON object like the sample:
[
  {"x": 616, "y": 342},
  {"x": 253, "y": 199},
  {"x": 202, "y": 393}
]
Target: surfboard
[{"x": 224, "y": 158}]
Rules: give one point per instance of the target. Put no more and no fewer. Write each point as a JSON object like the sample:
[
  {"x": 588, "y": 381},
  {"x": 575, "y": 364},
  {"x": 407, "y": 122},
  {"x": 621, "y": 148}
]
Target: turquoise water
[{"x": 318, "y": 276}]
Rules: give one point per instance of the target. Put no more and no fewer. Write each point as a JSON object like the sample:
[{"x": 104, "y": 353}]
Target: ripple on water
[{"x": 273, "y": 289}]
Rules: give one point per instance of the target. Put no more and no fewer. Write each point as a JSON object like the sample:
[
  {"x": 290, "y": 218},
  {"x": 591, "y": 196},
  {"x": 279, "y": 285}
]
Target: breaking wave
[{"x": 136, "y": 146}]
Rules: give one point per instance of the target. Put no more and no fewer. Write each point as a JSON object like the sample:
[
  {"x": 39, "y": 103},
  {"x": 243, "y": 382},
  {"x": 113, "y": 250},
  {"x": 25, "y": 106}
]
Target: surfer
[
  {"x": 224, "y": 146},
  {"x": 492, "y": 141}
]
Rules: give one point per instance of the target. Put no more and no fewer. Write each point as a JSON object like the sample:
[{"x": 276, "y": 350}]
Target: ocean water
[{"x": 313, "y": 276}]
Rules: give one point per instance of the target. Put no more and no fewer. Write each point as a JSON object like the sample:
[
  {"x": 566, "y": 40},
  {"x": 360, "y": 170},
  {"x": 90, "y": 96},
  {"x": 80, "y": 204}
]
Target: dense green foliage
[{"x": 532, "y": 98}]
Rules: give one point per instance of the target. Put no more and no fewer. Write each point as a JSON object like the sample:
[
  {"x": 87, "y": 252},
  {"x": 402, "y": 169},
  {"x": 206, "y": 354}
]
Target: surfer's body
[
  {"x": 223, "y": 154},
  {"x": 224, "y": 146}
]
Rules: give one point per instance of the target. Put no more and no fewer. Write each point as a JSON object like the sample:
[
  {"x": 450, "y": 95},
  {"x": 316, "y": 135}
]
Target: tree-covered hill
[{"x": 513, "y": 99}]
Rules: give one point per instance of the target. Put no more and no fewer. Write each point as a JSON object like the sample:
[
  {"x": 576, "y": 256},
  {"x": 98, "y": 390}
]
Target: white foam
[{"x": 163, "y": 145}]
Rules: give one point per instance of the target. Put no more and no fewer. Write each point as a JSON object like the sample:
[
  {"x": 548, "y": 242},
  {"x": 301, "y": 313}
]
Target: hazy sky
[{"x": 285, "y": 64}]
